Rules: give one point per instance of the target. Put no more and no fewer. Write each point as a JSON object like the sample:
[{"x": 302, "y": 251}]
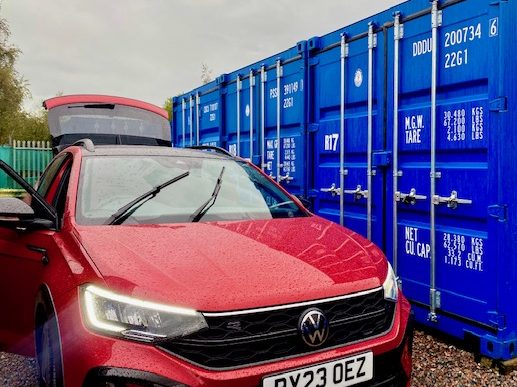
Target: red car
[{"x": 140, "y": 265}]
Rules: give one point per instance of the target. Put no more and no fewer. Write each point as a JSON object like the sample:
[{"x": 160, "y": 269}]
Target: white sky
[{"x": 153, "y": 49}]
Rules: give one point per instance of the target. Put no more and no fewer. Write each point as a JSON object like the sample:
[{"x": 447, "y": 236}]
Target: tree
[
  {"x": 206, "y": 74},
  {"x": 15, "y": 124},
  {"x": 167, "y": 105},
  {"x": 206, "y": 77},
  {"x": 12, "y": 87}
]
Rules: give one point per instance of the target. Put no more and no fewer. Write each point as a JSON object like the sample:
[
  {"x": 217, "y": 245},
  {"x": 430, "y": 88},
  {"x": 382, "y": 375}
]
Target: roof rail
[
  {"x": 213, "y": 148},
  {"x": 86, "y": 143}
]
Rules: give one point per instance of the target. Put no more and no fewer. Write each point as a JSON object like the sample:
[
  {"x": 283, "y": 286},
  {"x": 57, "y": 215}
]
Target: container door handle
[
  {"x": 452, "y": 201},
  {"x": 332, "y": 190},
  {"x": 285, "y": 178},
  {"x": 358, "y": 193},
  {"x": 410, "y": 198}
]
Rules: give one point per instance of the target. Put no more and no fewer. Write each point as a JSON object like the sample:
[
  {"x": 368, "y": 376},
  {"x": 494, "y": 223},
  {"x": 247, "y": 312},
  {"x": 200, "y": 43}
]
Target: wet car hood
[{"x": 234, "y": 265}]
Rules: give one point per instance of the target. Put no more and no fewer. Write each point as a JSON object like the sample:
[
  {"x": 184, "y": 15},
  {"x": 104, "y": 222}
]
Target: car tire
[{"x": 48, "y": 348}]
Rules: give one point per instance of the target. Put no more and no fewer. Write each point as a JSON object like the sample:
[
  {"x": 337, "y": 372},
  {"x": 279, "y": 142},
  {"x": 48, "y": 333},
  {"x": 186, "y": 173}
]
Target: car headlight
[
  {"x": 131, "y": 318},
  {"x": 390, "y": 286}
]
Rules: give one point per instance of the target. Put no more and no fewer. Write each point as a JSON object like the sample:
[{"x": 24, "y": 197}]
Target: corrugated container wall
[{"x": 400, "y": 127}]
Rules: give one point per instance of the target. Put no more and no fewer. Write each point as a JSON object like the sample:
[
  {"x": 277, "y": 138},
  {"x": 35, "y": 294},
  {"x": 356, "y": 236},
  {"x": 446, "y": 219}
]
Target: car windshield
[{"x": 108, "y": 183}]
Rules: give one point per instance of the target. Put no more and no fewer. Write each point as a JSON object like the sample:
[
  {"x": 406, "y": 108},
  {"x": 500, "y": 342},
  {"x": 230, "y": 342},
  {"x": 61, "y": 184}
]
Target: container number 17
[{"x": 331, "y": 141}]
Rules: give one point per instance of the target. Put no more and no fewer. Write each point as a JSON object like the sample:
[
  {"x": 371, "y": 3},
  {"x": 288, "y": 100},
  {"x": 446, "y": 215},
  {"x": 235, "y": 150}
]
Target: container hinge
[
  {"x": 499, "y": 104},
  {"x": 399, "y": 32},
  {"x": 435, "y": 299},
  {"x": 345, "y": 48},
  {"x": 437, "y": 295},
  {"x": 499, "y": 212},
  {"x": 497, "y": 320},
  {"x": 372, "y": 41},
  {"x": 263, "y": 74},
  {"x": 279, "y": 69},
  {"x": 437, "y": 18}
]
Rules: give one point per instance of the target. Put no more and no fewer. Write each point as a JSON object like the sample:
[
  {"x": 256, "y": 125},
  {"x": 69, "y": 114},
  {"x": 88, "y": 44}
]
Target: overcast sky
[{"x": 153, "y": 49}]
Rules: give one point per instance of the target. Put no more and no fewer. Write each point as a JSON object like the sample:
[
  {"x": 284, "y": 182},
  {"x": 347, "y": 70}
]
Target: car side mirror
[{"x": 15, "y": 212}]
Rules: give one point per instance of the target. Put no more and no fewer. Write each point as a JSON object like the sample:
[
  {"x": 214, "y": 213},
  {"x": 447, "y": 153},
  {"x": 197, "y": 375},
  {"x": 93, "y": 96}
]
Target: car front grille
[{"x": 237, "y": 340}]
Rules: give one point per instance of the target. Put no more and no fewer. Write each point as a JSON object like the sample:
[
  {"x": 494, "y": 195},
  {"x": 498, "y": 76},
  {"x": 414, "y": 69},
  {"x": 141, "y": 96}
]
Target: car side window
[{"x": 49, "y": 175}]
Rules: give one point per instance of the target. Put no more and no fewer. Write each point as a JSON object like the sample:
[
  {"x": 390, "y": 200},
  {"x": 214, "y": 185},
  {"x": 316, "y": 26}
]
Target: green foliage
[
  {"x": 15, "y": 124},
  {"x": 167, "y": 105},
  {"x": 26, "y": 127}
]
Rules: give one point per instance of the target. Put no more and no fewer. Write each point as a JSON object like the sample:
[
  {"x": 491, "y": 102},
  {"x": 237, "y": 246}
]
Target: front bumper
[
  {"x": 389, "y": 371},
  {"x": 93, "y": 360}
]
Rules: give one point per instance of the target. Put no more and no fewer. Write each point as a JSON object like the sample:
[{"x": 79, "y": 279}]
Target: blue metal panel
[
  {"x": 326, "y": 78},
  {"x": 285, "y": 107},
  {"x": 462, "y": 133},
  {"x": 461, "y": 276},
  {"x": 230, "y": 111},
  {"x": 210, "y": 116}
]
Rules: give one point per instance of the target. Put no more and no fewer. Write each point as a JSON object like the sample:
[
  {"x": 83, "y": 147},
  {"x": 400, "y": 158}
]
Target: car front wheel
[{"x": 48, "y": 349}]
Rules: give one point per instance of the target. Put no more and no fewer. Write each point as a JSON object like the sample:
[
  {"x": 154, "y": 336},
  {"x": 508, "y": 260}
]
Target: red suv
[{"x": 140, "y": 265}]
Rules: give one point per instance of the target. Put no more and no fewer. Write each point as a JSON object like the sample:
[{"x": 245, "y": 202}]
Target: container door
[
  {"x": 232, "y": 114},
  {"x": 209, "y": 118},
  {"x": 443, "y": 182},
  {"x": 241, "y": 116},
  {"x": 347, "y": 115},
  {"x": 248, "y": 117},
  {"x": 283, "y": 88}
]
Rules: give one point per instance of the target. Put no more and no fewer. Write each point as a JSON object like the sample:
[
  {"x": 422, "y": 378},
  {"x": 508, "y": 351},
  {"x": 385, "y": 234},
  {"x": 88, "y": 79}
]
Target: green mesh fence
[{"x": 28, "y": 158}]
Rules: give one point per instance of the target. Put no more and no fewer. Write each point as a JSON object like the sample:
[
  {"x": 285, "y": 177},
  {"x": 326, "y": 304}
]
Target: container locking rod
[
  {"x": 452, "y": 201},
  {"x": 409, "y": 198}
]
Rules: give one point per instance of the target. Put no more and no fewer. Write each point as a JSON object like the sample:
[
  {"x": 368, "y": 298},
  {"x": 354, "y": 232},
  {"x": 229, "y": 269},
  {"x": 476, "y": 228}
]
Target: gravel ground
[
  {"x": 439, "y": 363},
  {"x": 17, "y": 371},
  {"x": 435, "y": 363}
]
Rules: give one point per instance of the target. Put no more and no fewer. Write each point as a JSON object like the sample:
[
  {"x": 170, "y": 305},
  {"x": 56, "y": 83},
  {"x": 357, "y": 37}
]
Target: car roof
[{"x": 143, "y": 150}]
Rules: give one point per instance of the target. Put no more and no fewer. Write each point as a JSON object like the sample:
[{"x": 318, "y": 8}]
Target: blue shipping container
[{"x": 399, "y": 127}]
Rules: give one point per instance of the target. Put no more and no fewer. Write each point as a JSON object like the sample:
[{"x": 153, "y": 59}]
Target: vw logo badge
[{"x": 314, "y": 327}]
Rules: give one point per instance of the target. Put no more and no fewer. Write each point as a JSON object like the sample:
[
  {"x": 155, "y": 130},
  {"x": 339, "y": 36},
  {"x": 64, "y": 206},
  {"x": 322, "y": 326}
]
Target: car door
[{"x": 25, "y": 257}]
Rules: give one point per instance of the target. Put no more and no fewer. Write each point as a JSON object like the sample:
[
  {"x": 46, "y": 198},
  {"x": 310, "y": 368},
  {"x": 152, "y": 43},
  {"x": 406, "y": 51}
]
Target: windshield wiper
[
  {"x": 126, "y": 211},
  {"x": 203, "y": 209}
]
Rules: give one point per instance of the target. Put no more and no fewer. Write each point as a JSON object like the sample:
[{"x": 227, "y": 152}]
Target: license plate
[{"x": 339, "y": 373}]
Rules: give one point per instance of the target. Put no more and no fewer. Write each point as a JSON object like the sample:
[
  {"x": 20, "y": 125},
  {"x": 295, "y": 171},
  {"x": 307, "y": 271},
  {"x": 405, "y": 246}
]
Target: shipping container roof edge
[{"x": 350, "y": 30}]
